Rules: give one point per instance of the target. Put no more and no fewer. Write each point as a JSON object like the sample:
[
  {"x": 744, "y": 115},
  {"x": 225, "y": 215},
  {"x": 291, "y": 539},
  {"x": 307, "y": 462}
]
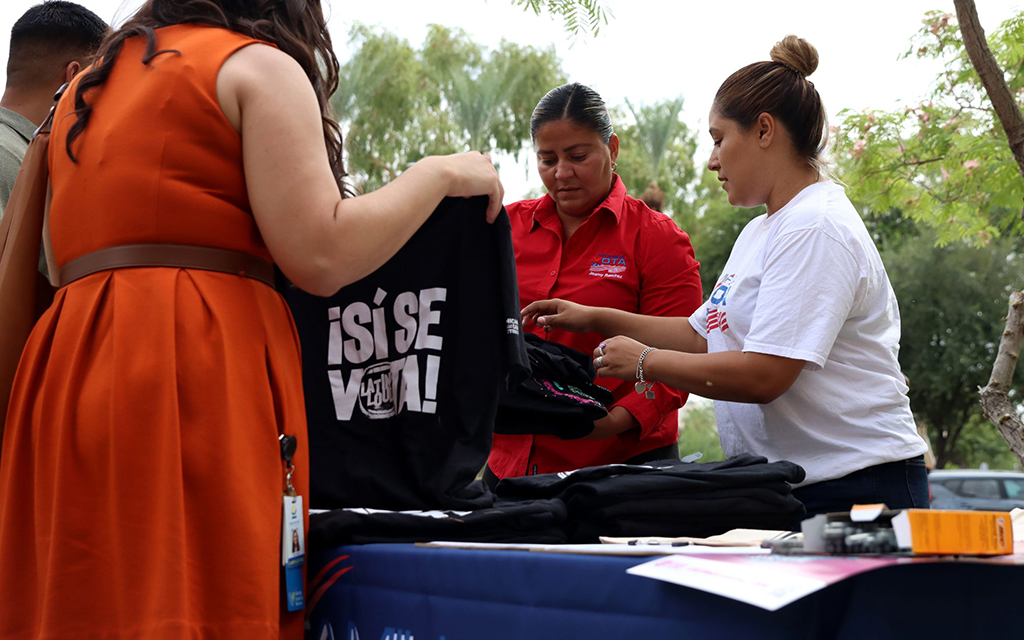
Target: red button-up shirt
[{"x": 624, "y": 256}]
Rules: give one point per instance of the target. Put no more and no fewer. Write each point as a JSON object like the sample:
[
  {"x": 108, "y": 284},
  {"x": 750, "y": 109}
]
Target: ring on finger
[
  {"x": 599, "y": 362},
  {"x": 600, "y": 348}
]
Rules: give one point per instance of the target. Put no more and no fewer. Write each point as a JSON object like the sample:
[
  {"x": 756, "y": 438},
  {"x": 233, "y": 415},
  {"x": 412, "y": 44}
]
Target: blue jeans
[{"x": 899, "y": 485}]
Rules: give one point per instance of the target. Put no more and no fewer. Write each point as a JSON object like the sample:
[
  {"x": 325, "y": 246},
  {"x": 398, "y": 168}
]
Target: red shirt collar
[{"x": 613, "y": 203}]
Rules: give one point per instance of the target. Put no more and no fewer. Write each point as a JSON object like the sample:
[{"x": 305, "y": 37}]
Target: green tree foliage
[
  {"x": 952, "y": 305},
  {"x": 658, "y": 148},
  {"x": 980, "y": 442},
  {"x": 715, "y": 227},
  {"x": 376, "y": 104},
  {"x": 657, "y": 128},
  {"x": 577, "y": 15},
  {"x": 698, "y": 431},
  {"x": 397, "y": 104},
  {"x": 946, "y": 161},
  {"x": 945, "y": 165}
]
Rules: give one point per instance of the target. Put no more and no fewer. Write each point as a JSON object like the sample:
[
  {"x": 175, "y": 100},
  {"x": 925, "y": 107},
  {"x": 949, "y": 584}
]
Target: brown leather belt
[{"x": 181, "y": 256}]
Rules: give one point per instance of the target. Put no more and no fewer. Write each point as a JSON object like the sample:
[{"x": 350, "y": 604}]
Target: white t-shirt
[{"x": 807, "y": 283}]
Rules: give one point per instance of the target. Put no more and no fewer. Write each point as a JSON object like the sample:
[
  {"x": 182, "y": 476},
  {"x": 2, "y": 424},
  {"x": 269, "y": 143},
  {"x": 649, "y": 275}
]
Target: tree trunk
[{"x": 995, "y": 401}]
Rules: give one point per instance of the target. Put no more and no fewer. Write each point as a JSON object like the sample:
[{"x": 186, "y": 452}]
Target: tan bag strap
[
  {"x": 22, "y": 287},
  {"x": 181, "y": 256}
]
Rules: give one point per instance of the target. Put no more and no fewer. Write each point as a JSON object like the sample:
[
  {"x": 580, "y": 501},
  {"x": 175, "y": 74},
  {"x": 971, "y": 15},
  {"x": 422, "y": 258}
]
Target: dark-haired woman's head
[
  {"x": 576, "y": 148},
  {"x": 576, "y": 103},
  {"x": 768, "y": 107}
]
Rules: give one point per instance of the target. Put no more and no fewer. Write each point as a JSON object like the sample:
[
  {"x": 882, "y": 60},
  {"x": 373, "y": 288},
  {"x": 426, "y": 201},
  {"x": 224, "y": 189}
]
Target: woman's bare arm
[
  {"x": 662, "y": 332},
  {"x": 321, "y": 241}
]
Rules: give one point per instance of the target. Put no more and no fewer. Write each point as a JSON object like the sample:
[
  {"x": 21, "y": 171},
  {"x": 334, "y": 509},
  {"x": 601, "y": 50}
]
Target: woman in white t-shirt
[{"x": 798, "y": 342}]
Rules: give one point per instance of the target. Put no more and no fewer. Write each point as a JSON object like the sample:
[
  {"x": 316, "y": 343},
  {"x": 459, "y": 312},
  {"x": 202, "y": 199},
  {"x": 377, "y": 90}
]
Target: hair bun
[{"x": 797, "y": 54}]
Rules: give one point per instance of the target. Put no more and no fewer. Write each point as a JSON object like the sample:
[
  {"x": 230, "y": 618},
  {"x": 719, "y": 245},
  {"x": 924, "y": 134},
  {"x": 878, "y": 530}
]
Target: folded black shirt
[
  {"x": 669, "y": 497},
  {"x": 536, "y": 521},
  {"x": 559, "y": 398},
  {"x": 743, "y": 468}
]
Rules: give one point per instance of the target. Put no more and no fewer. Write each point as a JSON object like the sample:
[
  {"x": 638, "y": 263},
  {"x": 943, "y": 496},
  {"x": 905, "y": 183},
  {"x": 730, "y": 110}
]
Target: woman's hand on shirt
[
  {"x": 618, "y": 358},
  {"x": 473, "y": 174},
  {"x": 559, "y": 314}
]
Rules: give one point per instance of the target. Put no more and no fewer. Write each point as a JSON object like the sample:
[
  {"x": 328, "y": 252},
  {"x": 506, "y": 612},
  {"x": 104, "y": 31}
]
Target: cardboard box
[{"x": 946, "y": 532}]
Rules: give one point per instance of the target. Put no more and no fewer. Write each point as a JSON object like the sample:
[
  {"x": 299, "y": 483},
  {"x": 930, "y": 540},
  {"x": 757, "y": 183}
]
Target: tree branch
[
  {"x": 995, "y": 401},
  {"x": 901, "y": 164},
  {"x": 992, "y": 78}
]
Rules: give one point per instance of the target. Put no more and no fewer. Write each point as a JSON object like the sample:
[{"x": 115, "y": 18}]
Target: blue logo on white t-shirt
[
  {"x": 716, "y": 313},
  {"x": 718, "y": 295}
]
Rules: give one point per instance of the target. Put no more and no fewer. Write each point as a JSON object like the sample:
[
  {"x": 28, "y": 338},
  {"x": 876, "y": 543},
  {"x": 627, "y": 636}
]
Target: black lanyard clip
[{"x": 288, "y": 446}]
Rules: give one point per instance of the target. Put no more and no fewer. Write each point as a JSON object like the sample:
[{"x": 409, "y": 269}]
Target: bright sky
[{"x": 652, "y": 49}]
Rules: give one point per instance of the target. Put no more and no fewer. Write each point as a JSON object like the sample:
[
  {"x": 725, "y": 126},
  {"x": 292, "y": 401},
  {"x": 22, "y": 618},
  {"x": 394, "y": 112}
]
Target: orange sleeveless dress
[{"x": 141, "y": 478}]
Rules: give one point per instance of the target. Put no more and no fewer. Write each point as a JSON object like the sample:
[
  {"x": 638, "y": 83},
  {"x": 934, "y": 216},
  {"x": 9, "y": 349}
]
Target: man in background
[{"x": 50, "y": 44}]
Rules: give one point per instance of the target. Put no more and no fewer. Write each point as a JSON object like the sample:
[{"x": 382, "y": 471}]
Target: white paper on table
[
  {"x": 770, "y": 582},
  {"x": 596, "y": 549},
  {"x": 759, "y": 586},
  {"x": 732, "y": 538}
]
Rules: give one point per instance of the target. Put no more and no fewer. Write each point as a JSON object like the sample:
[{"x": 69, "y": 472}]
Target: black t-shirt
[
  {"x": 402, "y": 369},
  {"x": 559, "y": 397},
  {"x": 669, "y": 497},
  {"x": 537, "y": 521}
]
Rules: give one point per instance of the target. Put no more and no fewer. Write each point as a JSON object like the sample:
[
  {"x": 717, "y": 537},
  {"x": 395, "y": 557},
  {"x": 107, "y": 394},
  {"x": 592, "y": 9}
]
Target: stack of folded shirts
[
  {"x": 559, "y": 398},
  {"x": 537, "y": 521},
  {"x": 669, "y": 497}
]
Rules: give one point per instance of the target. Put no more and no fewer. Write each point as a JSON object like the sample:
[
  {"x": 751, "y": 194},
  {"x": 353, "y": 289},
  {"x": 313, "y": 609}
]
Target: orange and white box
[{"x": 949, "y": 532}]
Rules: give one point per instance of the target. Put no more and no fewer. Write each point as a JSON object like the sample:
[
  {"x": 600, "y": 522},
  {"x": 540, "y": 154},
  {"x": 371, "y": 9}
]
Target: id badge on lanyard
[{"x": 293, "y": 539}]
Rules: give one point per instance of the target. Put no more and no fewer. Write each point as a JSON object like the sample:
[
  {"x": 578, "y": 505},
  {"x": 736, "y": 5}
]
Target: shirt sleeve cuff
[
  {"x": 698, "y": 326},
  {"x": 648, "y": 413}
]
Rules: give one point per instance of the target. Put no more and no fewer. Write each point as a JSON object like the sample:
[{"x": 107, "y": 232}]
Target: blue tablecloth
[{"x": 403, "y": 592}]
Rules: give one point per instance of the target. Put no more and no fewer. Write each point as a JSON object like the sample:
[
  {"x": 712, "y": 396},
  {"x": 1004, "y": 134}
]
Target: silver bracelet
[{"x": 643, "y": 386}]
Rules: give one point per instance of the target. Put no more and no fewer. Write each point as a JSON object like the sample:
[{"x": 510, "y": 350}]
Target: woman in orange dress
[{"x": 141, "y": 478}]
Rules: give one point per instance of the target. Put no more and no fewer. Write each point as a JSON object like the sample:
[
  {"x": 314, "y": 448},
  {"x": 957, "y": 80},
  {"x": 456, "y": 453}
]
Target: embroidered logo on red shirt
[{"x": 607, "y": 265}]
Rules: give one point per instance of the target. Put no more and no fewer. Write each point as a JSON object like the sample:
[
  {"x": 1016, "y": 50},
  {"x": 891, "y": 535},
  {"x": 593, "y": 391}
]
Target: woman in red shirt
[{"x": 589, "y": 242}]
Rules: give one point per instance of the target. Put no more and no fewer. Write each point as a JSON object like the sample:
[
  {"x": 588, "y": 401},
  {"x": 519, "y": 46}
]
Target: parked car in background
[{"x": 976, "y": 489}]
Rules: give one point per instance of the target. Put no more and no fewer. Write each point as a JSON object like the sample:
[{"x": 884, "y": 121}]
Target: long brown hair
[{"x": 297, "y": 27}]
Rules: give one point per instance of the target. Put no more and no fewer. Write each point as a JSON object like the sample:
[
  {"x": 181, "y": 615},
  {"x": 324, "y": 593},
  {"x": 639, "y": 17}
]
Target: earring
[{"x": 615, "y": 165}]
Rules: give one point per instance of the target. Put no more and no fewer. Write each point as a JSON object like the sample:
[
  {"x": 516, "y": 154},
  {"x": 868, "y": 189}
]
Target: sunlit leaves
[
  {"x": 397, "y": 104},
  {"x": 657, "y": 147},
  {"x": 578, "y": 16},
  {"x": 657, "y": 126},
  {"x": 945, "y": 161}
]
